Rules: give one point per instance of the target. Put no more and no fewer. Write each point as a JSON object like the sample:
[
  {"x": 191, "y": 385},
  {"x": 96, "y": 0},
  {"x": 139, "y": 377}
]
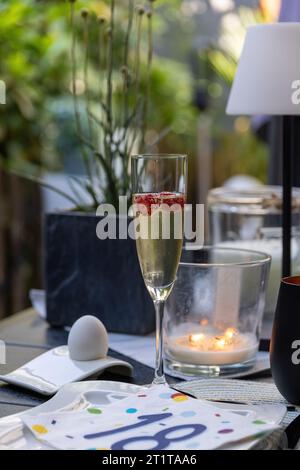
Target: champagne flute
[{"x": 159, "y": 192}]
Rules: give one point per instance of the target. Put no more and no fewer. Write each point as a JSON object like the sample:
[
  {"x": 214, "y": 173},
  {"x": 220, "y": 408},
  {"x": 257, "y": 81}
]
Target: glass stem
[{"x": 159, "y": 377}]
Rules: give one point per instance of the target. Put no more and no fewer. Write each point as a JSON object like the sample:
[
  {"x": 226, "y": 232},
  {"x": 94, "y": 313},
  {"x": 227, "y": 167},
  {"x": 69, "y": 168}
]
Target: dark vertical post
[
  {"x": 275, "y": 142},
  {"x": 287, "y": 158}
]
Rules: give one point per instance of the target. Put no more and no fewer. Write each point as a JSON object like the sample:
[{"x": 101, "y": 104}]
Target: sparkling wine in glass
[{"x": 159, "y": 192}]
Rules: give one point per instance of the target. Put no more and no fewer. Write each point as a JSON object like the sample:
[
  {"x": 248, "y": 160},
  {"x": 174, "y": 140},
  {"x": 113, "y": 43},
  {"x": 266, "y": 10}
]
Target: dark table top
[{"x": 26, "y": 336}]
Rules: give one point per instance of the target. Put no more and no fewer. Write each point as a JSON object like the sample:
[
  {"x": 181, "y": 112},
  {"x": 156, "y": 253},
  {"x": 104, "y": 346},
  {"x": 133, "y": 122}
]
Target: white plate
[
  {"x": 80, "y": 395},
  {"x": 71, "y": 396},
  {"x": 50, "y": 371}
]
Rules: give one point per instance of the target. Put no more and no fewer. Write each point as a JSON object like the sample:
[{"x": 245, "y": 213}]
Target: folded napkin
[{"x": 158, "y": 418}]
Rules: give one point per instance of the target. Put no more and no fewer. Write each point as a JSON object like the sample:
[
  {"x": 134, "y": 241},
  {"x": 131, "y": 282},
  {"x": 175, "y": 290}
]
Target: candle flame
[
  {"x": 220, "y": 342},
  {"x": 213, "y": 343},
  {"x": 230, "y": 333},
  {"x": 197, "y": 339}
]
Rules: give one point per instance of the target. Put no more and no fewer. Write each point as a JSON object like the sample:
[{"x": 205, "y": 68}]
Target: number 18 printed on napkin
[{"x": 156, "y": 419}]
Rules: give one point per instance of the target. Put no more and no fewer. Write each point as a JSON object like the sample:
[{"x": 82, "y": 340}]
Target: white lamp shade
[{"x": 268, "y": 71}]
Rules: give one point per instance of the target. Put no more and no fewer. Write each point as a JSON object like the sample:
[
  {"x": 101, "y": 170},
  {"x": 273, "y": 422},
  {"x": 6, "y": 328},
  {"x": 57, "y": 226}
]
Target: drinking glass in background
[
  {"x": 285, "y": 341},
  {"x": 159, "y": 184}
]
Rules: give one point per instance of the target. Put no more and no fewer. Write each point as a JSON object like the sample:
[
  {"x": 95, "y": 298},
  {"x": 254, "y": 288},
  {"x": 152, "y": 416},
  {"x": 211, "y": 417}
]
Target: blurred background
[{"x": 197, "y": 46}]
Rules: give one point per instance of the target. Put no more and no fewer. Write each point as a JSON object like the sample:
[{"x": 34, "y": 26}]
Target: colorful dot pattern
[
  {"x": 94, "y": 411},
  {"x": 40, "y": 429},
  {"x": 225, "y": 427}
]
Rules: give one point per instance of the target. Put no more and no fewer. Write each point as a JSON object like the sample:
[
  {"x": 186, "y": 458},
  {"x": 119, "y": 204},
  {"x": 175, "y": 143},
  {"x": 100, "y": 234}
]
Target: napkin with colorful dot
[{"x": 156, "y": 419}]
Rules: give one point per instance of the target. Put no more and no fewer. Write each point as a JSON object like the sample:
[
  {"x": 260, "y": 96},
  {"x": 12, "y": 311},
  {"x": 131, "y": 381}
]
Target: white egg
[{"x": 88, "y": 339}]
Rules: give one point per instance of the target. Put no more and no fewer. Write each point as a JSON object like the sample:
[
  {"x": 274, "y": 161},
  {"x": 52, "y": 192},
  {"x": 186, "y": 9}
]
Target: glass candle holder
[
  {"x": 251, "y": 219},
  {"x": 214, "y": 313}
]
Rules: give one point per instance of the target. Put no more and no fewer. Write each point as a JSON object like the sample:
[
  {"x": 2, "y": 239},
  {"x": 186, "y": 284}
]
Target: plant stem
[
  {"x": 100, "y": 58},
  {"x": 109, "y": 82},
  {"x": 74, "y": 94},
  {"x": 86, "y": 40},
  {"x": 40, "y": 181},
  {"x": 71, "y": 182},
  {"x": 112, "y": 184},
  {"x": 138, "y": 55},
  {"x": 126, "y": 59},
  {"x": 133, "y": 121},
  {"x": 148, "y": 79}
]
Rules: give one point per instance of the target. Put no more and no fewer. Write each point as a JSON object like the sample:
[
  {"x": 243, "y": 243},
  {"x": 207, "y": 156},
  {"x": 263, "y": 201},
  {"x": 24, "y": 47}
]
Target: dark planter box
[{"x": 85, "y": 275}]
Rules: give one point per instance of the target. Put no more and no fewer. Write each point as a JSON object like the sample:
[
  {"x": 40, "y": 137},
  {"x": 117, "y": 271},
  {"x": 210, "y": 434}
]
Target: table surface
[{"x": 26, "y": 336}]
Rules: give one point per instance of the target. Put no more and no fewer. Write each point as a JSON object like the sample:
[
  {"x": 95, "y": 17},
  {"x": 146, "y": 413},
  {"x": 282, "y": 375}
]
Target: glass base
[
  {"x": 187, "y": 371},
  {"x": 159, "y": 380}
]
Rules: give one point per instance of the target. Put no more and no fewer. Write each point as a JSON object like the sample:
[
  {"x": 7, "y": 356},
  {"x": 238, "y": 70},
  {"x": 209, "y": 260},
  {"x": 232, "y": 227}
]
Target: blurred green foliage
[
  {"x": 34, "y": 66},
  {"x": 239, "y": 154},
  {"x": 237, "y": 149},
  {"x": 37, "y": 125}
]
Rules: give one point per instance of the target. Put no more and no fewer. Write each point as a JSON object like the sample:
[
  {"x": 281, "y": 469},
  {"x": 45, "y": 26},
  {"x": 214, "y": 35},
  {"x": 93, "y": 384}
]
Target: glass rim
[
  {"x": 152, "y": 156},
  {"x": 291, "y": 280},
  {"x": 266, "y": 258},
  {"x": 258, "y": 195}
]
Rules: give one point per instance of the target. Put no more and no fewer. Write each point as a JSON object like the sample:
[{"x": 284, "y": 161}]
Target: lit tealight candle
[{"x": 213, "y": 348}]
